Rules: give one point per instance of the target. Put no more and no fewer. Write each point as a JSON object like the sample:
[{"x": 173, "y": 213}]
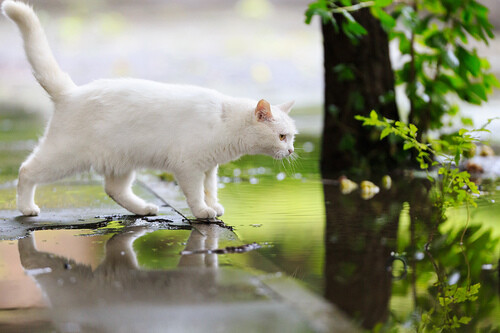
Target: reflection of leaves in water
[
  {"x": 454, "y": 294},
  {"x": 400, "y": 221},
  {"x": 452, "y": 302},
  {"x": 443, "y": 318},
  {"x": 452, "y": 188}
]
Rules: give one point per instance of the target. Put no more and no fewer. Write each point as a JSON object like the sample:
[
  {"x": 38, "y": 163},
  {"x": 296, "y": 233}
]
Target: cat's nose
[{"x": 290, "y": 151}]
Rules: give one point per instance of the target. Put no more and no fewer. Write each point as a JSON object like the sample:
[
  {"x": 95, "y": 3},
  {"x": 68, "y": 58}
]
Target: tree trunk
[{"x": 348, "y": 147}]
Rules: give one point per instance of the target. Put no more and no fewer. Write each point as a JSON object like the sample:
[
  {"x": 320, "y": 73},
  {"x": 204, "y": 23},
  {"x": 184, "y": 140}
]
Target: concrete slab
[{"x": 76, "y": 205}]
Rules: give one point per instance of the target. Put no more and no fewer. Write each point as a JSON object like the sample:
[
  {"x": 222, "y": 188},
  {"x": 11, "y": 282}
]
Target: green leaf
[
  {"x": 466, "y": 121},
  {"x": 319, "y": 8},
  {"x": 383, "y": 3},
  {"x": 346, "y": 3},
  {"x": 413, "y": 129},
  {"x": 385, "y": 132},
  {"x": 491, "y": 81},
  {"x": 387, "y": 21},
  {"x": 354, "y": 28},
  {"x": 479, "y": 90},
  {"x": 404, "y": 44},
  {"x": 457, "y": 158},
  {"x": 470, "y": 60},
  {"x": 436, "y": 40}
]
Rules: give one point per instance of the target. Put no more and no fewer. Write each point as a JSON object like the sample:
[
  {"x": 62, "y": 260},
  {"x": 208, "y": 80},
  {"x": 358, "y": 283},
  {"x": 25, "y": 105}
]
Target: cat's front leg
[
  {"x": 211, "y": 191},
  {"x": 191, "y": 182}
]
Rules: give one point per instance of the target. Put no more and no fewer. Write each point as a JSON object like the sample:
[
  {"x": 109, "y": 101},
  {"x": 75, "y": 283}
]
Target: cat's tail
[{"x": 45, "y": 68}]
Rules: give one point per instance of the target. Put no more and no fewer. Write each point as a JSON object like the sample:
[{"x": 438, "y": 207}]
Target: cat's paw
[
  {"x": 30, "y": 210},
  {"x": 204, "y": 213},
  {"x": 219, "y": 209},
  {"x": 148, "y": 209},
  {"x": 151, "y": 209}
]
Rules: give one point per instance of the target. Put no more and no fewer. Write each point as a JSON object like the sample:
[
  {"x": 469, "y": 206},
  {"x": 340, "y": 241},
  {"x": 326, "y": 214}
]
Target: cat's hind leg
[
  {"x": 43, "y": 166},
  {"x": 211, "y": 191},
  {"x": 119, "y": 188},
  {"x": 26, "y": 186}
]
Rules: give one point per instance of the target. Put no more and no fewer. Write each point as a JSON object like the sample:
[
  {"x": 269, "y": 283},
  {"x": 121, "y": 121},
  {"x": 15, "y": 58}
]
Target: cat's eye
[{"x": 282, "y": 137}]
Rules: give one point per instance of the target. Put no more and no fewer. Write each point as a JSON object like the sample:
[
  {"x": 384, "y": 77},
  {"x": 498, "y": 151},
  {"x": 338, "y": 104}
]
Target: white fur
[{"x": 121, "y": 125}]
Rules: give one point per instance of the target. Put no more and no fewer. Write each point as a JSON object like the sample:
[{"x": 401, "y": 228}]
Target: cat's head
[{"x": 274, "y": 128}]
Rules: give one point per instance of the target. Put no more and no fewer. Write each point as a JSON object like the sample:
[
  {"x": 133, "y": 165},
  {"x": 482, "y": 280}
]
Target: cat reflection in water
[
  {"x": 118, "y": 126},
  {"x": 119, "y": 278}
]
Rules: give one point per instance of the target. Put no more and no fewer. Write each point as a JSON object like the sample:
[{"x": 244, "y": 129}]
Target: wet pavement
[
  {"x": 207, "y": 281},
  {"x": 86, "y": 265}
]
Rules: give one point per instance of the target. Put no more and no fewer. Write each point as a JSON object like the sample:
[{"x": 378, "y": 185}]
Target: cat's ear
[
  {"x": 263, "y": 111},
  {"x": 286, "y": 107}
]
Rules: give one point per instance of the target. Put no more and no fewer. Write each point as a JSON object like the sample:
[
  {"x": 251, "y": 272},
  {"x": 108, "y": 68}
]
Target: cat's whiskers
[
  {"x": 281, "y": 161},
  {"x": 297, "y": 160},
  {"x": 293, "y": 161},
  {"x": 289, "y": 163}
]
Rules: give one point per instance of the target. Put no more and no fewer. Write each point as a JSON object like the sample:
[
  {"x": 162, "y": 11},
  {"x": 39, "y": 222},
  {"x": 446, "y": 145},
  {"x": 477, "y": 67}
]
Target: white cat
[{"x": 121, "y": 125}]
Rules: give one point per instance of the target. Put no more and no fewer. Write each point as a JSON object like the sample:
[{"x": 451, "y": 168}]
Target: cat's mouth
[{"x": 279, "y": 155}]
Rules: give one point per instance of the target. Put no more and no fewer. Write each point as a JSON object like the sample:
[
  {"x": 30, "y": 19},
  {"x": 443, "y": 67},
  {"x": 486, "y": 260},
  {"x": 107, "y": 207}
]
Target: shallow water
[{"x": 368, "y": 257}]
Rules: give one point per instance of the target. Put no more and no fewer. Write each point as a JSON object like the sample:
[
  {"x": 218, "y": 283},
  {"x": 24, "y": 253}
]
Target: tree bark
[{"x": 348, "y": 147}]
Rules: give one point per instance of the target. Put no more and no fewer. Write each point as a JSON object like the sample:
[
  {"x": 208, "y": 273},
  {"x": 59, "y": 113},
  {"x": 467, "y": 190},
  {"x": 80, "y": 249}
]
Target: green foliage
[
  {"x": 439, "y": 68},
  {"x": 433, "y": 37},
  {"x": 440, "y": 319},
  {"x": 449, "y": 297},
  {"x": 352, "y": 29},
  {"x": 455, "y": 295},
  {"x": 454, "y": 187}
]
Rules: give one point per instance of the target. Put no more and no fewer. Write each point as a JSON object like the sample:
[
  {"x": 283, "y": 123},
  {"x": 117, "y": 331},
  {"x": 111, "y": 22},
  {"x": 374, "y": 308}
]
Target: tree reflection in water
[{"x": 365, "y": 240}]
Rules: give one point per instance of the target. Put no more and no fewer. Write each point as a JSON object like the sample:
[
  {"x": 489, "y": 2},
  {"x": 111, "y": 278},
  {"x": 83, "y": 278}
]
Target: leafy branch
[
  {"x": 455, "y": 186},
  {"x": 326, "y": 9},
  {"x": 432, "y": 37}
]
